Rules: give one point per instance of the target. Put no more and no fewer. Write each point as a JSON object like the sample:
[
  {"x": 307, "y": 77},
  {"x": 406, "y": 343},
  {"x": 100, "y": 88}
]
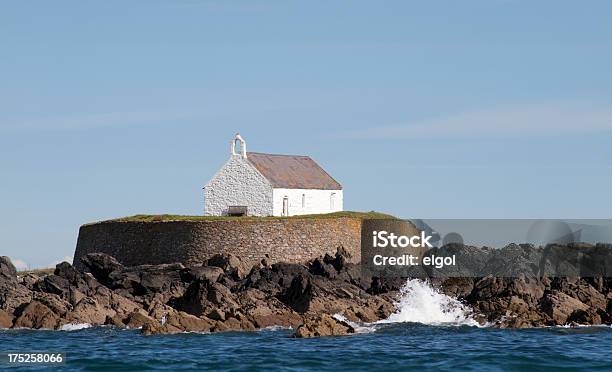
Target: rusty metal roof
[{"x": 292, "y": 171}]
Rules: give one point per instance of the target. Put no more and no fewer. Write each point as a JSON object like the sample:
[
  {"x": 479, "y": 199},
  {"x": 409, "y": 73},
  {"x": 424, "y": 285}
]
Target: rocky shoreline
[{"x": 224, "y": 294}]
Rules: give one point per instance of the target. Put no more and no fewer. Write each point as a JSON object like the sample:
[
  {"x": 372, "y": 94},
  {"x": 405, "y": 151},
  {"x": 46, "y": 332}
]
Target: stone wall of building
[
  {"x": 191, "y": 242},
  {"x": 238, "y": 183}
]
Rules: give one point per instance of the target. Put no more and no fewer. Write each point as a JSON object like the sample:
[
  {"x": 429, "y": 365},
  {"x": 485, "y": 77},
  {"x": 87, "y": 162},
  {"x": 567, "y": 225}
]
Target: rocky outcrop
[
  {"x": 37, "y": 315},
  {"x": 523, "y": 295},
  {"x": 7, "y": 269},
  {"x": 559, "y": 306},
  {"x": 323, "y": 325},
  {"x": 224, "y": 293},
  {"x": 6, "y": 319}
]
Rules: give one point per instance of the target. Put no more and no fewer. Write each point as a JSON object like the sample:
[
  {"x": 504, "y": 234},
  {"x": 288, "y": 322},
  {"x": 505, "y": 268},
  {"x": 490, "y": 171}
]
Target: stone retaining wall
[{"x": 191, "y": 242}]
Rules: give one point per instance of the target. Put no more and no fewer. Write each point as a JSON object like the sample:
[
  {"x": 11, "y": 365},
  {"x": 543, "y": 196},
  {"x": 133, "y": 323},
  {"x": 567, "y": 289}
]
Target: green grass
[{"x": 174, "y": 217}]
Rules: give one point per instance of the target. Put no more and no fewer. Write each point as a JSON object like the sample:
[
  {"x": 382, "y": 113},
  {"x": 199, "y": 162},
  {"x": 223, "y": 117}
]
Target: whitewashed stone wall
[
  {"x": 238, "y": 183},
  {"x": 316, "y": 201}
]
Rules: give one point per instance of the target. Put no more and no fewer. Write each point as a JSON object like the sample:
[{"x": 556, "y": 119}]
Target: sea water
[{"x": 429, "y": 330}]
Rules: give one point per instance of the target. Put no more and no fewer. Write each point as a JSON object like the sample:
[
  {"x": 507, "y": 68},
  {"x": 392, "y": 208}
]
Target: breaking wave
[
  {"x": 75, "y": 326},
  {"x": 359, "y": 328},
  {"x": 421, "y": 303}
]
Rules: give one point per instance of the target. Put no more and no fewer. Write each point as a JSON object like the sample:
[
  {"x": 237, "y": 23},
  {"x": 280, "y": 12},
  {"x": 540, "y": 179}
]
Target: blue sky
[{"x": 431, "y": 109}]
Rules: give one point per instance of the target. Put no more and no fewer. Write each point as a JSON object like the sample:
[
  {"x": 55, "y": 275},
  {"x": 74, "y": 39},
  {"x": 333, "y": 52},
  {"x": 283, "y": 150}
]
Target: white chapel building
[{"x": 257, "y": 184}]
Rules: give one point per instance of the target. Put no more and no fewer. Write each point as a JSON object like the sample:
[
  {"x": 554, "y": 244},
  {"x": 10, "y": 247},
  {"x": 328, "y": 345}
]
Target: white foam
[
  {"x": 359, "y": 328},
  {"x": 421, "y": 303},
  {"x": 273, "y": 328},
  {"x": 74, "y": 326}
]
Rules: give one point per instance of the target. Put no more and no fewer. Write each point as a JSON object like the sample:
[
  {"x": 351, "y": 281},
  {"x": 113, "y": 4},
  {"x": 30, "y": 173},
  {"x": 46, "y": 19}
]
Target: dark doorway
[{"x": 237, "y": 210}]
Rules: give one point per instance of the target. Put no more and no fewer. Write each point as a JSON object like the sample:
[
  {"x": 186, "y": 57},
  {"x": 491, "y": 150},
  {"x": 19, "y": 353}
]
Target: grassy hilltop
[{"x": 174, "y": 217}]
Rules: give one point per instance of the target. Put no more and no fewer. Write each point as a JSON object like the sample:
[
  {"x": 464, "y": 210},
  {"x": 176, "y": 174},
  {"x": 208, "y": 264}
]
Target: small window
[
  {"x": 332, "y": 201},
  {"x": 303, "y": 201}
]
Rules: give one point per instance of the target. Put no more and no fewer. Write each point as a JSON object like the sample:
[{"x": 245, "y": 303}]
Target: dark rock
[
  {"x": 470, "y": 261},
  {"x": 494, "y": 287},
  {"x": 352, "y": 274},
  {"x": 322, "y": 268},
  {"x": 147, "y": 280},
  {"x": 7, "y": 269},
  {"x": 53, "y": 284},
  {"x": 187, "y": 322},
  {"x": 458, "y": 287},
  {"x": 341, "y": 259},
  {"x": 274, "y": 279},
  {"x": 114, "y": 321},
  {"x": 195, "y": 299},
  {"x": 129, "y": 280},
  {"x": 37, "y": 316},
  {"x": 13, "y": 295},
  {"x": 377, "y": 286},
  {"x": 101, "y": 265},
  {"x": 233, "y": 324},
  {"x": 76, "y": 280},
  {"x": 68, "y": 272},
  {"x": 90, "y": 310},
  {"x": 6, "y": 319},
  {"x": 138, "y": 319},
  {"x": 175, "y": 322},
  {"x": 158, "y": 282},
  {"x": 220, "y": 295},
  {"x": 54, "y": 302},
  {"x": 231, "y": 265},
  {"x": 264, "y": 311},
  {"x": 513, "y": 260},
  {"x": 299, "y": 294},
  {"x": 28, "y": 280},
  {"x": 590, "y": 316},
  {"x": 561, "y": 260},
  {"x": 216, "y": 314},
  {"x": 600, "y": 283},
  {"x": 559, "y": 306},
  {"x": 149, "y": 329},
  {"x": 224, "y": 296},
  {"x": 385, "y": 285},
  {"x": 229, "y": 283},
  {"x": 580, "y": 289},
  {"x": 211, "y": 273},
  {"x": 323, "y": 325}
]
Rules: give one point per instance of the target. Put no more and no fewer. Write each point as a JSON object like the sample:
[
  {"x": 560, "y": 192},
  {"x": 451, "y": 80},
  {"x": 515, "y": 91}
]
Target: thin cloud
[
  {"x": 111, "y": 119},
  {"x": 523, "y": 121}
]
